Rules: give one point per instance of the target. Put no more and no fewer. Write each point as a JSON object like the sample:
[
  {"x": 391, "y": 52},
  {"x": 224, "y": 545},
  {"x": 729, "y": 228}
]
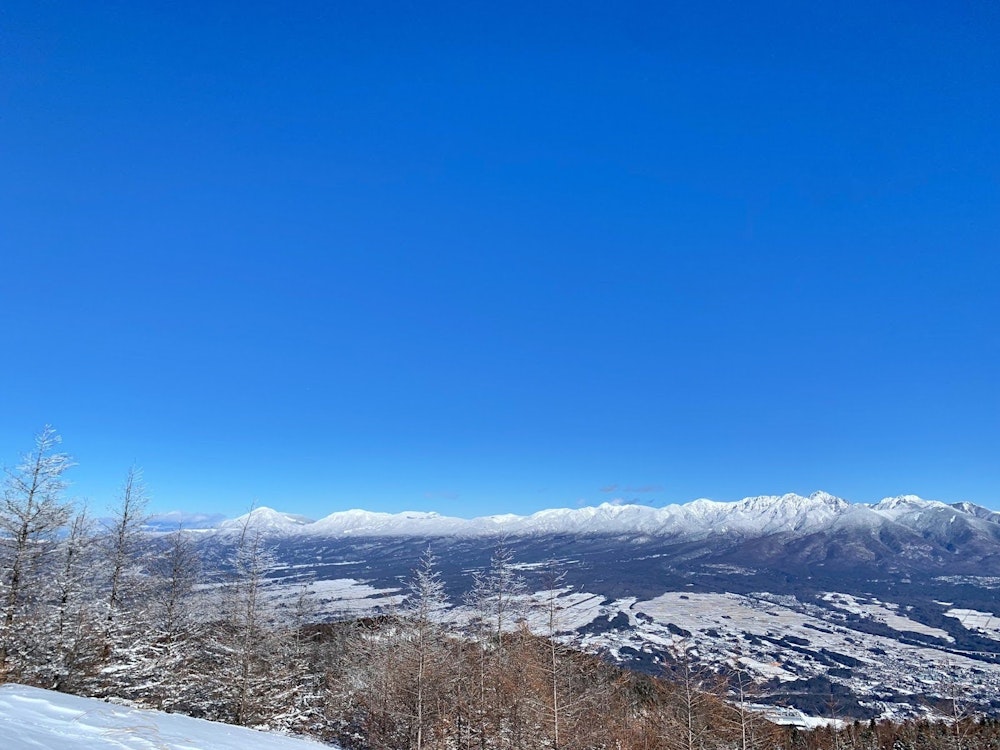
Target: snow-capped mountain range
[{"x": 748, "y": 518}]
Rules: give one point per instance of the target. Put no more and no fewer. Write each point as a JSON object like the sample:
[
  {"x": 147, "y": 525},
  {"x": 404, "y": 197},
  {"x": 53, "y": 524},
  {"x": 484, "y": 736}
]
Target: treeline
[{"x": 103, "y": 609}]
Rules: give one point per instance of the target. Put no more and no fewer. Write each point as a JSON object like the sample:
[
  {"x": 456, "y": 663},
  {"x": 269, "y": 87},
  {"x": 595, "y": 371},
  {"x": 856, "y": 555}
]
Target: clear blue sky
[{"x": 418, "y": 255}]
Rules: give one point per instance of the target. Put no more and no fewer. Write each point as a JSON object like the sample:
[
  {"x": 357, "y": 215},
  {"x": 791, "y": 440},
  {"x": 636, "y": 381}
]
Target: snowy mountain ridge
[{"x": 750, "y": 517}]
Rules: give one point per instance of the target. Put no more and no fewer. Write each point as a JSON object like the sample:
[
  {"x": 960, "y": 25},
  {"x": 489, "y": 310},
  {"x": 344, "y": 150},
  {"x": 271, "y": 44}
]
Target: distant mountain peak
[
  {"x": 266, "y": 519},
  {"x": 898, "y": 500},
  {"x": 977, "y": 511},
  {"x": 900, "y": 504},
  {"x": 827, "y": 499}
]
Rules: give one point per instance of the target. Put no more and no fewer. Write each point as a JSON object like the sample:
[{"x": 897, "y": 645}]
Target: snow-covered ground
[
  {"x": 35, "y": 719},
  {"x": 986, "y": 623},
  {"x": 725, "y": 629},
  {"x": 571, "y": 611},
  {"x": 884, "y": 612},
  {"x": 337, "y": 597},
  {"x": 785, "y": 638}
]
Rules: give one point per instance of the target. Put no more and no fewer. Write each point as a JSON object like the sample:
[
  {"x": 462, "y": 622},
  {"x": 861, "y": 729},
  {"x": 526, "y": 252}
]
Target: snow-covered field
[
  {"x": 337, "y": 597},
  {"x": 986, "y": 623},
  {"x": 572, "y": 610},
  {"x": 733, "y": 615},
  {"x": 35, "y": 719},
  {"x": 884, "y": 612},
  {"x": 770, "y": 636},
  {"x": 785, "y": 638}
]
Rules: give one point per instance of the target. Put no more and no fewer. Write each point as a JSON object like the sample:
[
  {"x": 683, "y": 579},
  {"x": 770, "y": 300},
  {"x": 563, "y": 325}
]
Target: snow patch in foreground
[{"x": 32, "y": 718}]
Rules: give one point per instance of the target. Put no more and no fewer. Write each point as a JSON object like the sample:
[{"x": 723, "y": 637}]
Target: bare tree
[
  {"x": 957, "y": 707},
  {"x": 167, "y": 649},
  {"x": 246, "y": 631},
  {"x": 72, "y": 629},
  {"x": 424, "y": 609},
  {"x": 299, "y": 703},
  {"x": 497, "y": 600},
  {"x": 749, "y": 724},
  {"x": 32, "y": 513},
  {"x": 122, "y": 547},
  {"x": 497, "y": 593},
  {"x": 689, "y": 726},
  {"x": 180, "y": 571},
  {"x": 551, "y": 610}
]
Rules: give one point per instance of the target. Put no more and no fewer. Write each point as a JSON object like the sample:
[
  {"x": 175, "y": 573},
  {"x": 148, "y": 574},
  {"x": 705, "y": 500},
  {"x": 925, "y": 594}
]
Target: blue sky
[{"x": 445, "y": 257}]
